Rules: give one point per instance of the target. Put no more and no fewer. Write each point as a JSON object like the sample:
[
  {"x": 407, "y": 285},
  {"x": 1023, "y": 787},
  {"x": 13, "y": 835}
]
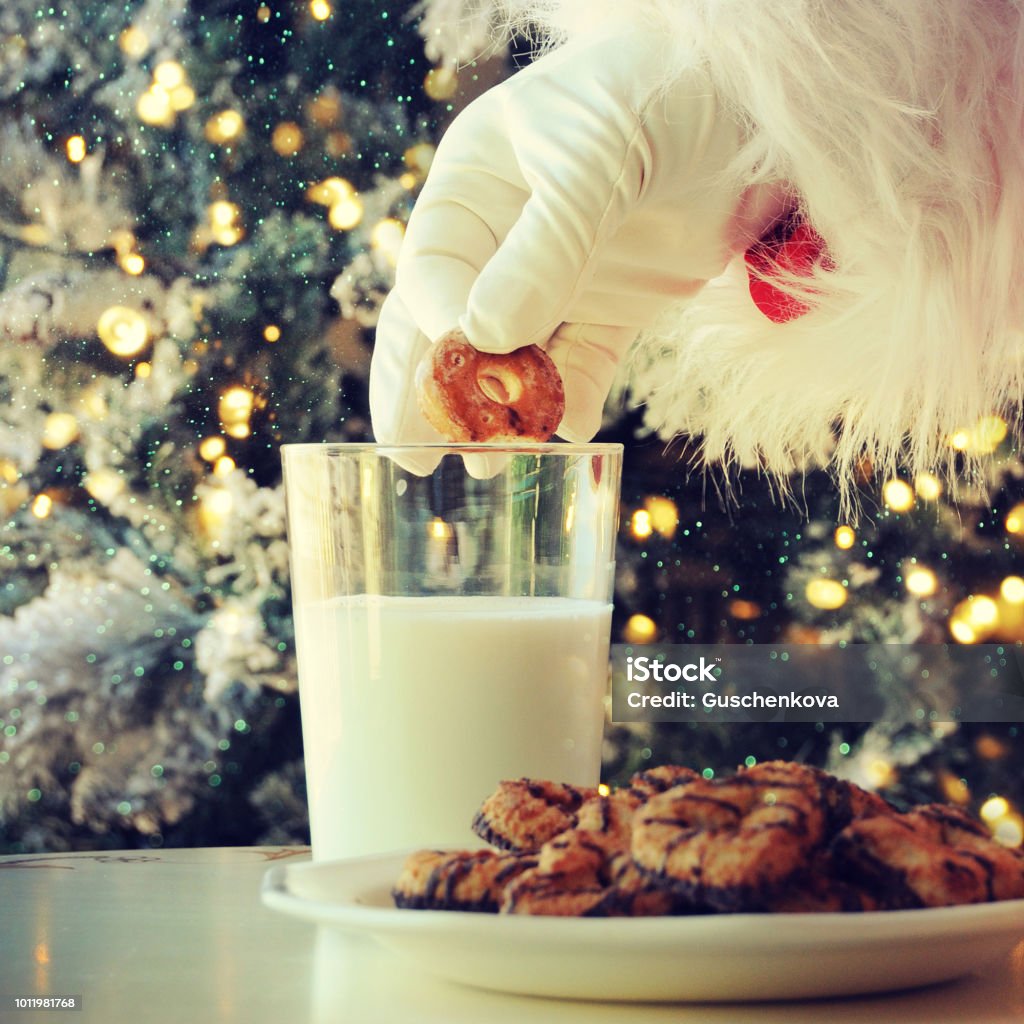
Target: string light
[
  {"x": 169, "y": 74},
  {"x": 59, "y": 430},
  {"x": 75, "y": 149},
  {"x": 123, "y": 241},
  {"x": 828, "y": 595},
  {"x": 640, "y": 524},
  {"x": 386, "y": 238},
  {"x": 844, "y": 537},
  {"x": 212, "y": 448},
  {"x": 988, "y": 433},
  {"x": 960, "y": 440},
  {"x": 1014, "y": 521},
  {"x": 215, "y": 507},
  {"x": 182, "y": 98},
  {"x": 224, "y": 127},
  {"x": 224, "y": 465},
  {"x": 225, "y": 227},
  {"x": 325, "y": 109},
  {"x": 418, "y": 158},
  {"x": 982, "y": 611},
  {"x": 13, "y": 498},
  {"x": 954, "y": 788},
  {"x": 104, "y": 484},
  {"x": 441, "y": 83},
  {"x": 234, "y": 409},
  {"x": 168, "y": 94},
  {"x": 990, "y": 748},
  {"x": 973, "y": 619},
  {"x": 440, "y": 530},
  {"x": 346, "y": 213},
  {"x": 659, "y": 515},
  {"x": 133, "y": 42},
  {"x": 1009, "y": 831},
  {"x": 271, "y": 333},
  {"x": 898, "y": 495},
  {"x": 664, "y": 515},
  {"x": 287, "y": 139},
  {"x": 921, "y": 582},
  {"x": 42, "y": 506},
  {"x": 1012, "y": 590},
  {"x": 338, "y": 144},
  {"x": 154, "y": 107},
  {"x": 123, "y": 330},
  {"x": 1005, "y": 824},
  {"x": 880, "y": 773},
  {"x": 320, "y": 9},
  {"x": 928, "y": 486},
  {"x": 993, "y": 808},
  {"x": 744, "y": 610},
  {"x": 330, "y": 191},
  {"x": 93, "y": 405},
  {"x": 132, "y": 263},
  {"x": 639, "y": 629},
  {"x": 961, "y": 631}
]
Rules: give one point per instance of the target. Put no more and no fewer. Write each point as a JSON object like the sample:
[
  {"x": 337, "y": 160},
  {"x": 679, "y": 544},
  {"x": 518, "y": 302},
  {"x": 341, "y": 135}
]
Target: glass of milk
[{"x": 452, "y": 612}]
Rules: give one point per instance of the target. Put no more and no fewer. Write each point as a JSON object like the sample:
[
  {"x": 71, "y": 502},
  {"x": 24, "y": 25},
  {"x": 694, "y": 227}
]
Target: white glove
[{"x": 565, "y": 207}]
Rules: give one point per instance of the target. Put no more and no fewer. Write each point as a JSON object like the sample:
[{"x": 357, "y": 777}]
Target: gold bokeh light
[
  {"x": 828, "y": 595},
  {"x": 123, "y": 330}
]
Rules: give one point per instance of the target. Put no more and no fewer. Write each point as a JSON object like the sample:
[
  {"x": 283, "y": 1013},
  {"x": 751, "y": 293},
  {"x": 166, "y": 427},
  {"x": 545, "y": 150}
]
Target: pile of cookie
[{"x": 775, "y": 837}]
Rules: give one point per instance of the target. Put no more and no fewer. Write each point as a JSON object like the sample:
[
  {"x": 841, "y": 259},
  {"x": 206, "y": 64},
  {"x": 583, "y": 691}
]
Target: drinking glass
[{"x": 452, "y": 628}]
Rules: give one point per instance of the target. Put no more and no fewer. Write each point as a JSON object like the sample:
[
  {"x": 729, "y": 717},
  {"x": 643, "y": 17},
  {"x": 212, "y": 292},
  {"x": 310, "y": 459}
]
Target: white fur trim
[{"x": 899, "y": 127}]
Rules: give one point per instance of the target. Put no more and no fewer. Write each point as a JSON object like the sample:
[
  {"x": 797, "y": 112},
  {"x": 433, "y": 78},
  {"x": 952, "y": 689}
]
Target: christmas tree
[
  {"x": 200, "y": 208},
  {"x": 199, "y": 213}
]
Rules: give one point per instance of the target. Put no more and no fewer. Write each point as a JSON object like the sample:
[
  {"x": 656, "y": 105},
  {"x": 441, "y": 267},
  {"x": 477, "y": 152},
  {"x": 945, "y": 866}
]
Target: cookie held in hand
[{"x": 472, "y": 396}]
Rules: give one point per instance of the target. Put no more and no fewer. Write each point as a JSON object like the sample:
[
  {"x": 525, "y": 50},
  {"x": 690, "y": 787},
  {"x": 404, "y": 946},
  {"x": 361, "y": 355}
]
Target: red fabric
[{"x": 797, "y": 251}]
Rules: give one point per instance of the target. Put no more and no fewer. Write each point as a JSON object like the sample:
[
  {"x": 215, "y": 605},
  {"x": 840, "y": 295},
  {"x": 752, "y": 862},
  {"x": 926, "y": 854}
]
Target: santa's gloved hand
[{"x": 565, "y": 207}]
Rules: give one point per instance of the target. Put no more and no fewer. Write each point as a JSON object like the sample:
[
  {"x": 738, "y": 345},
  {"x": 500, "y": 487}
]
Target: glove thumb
[{"x": 587, "y": 357}]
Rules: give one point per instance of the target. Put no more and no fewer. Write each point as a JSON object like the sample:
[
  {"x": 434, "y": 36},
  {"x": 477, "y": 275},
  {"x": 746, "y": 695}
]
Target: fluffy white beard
[{"x": 898, "y": 126}]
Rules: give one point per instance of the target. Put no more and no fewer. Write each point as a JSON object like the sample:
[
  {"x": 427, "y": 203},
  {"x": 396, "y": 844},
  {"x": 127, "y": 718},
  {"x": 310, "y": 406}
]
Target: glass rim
[{"x": 458, "y": 447}]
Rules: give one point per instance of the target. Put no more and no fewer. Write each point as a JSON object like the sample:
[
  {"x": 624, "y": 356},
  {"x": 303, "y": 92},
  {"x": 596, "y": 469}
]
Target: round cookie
[
  {"x": 472, "y": 396},
  {"x": 932, "y": 856},
  {"x": 732, "y": 843},
  {"x": 472, "y": 880},
  {"x": 523, "y": 814}
]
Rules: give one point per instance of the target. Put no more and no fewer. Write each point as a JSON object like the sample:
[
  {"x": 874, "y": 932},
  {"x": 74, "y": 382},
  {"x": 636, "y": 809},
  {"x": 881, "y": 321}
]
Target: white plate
[{"x": 728, "y": 957}]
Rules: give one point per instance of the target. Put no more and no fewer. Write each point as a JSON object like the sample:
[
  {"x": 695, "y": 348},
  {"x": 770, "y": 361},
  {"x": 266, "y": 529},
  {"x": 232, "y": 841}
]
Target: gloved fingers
[
  {"x": 544, "y": 263},
  {"x": 444, "y": 249},
  {"x": 418, "y": 461},
  {"x": 526, "y": 183},
  {"x": 482, "y": 464},
  {"x": 465, "y": 206},
  {"x": 578, "y": 140},
  {"x": 587, "y": 357},
  {"x": 394, "y": 408}
]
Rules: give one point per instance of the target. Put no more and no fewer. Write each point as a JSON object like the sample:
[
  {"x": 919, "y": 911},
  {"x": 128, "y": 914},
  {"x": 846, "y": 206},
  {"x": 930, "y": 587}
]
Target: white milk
[{"x": 414, "y": 708}]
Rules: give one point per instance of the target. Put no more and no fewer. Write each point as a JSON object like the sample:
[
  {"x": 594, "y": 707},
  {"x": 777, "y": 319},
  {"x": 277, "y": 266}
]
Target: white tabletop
[{"x": 181, "y": 936}]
